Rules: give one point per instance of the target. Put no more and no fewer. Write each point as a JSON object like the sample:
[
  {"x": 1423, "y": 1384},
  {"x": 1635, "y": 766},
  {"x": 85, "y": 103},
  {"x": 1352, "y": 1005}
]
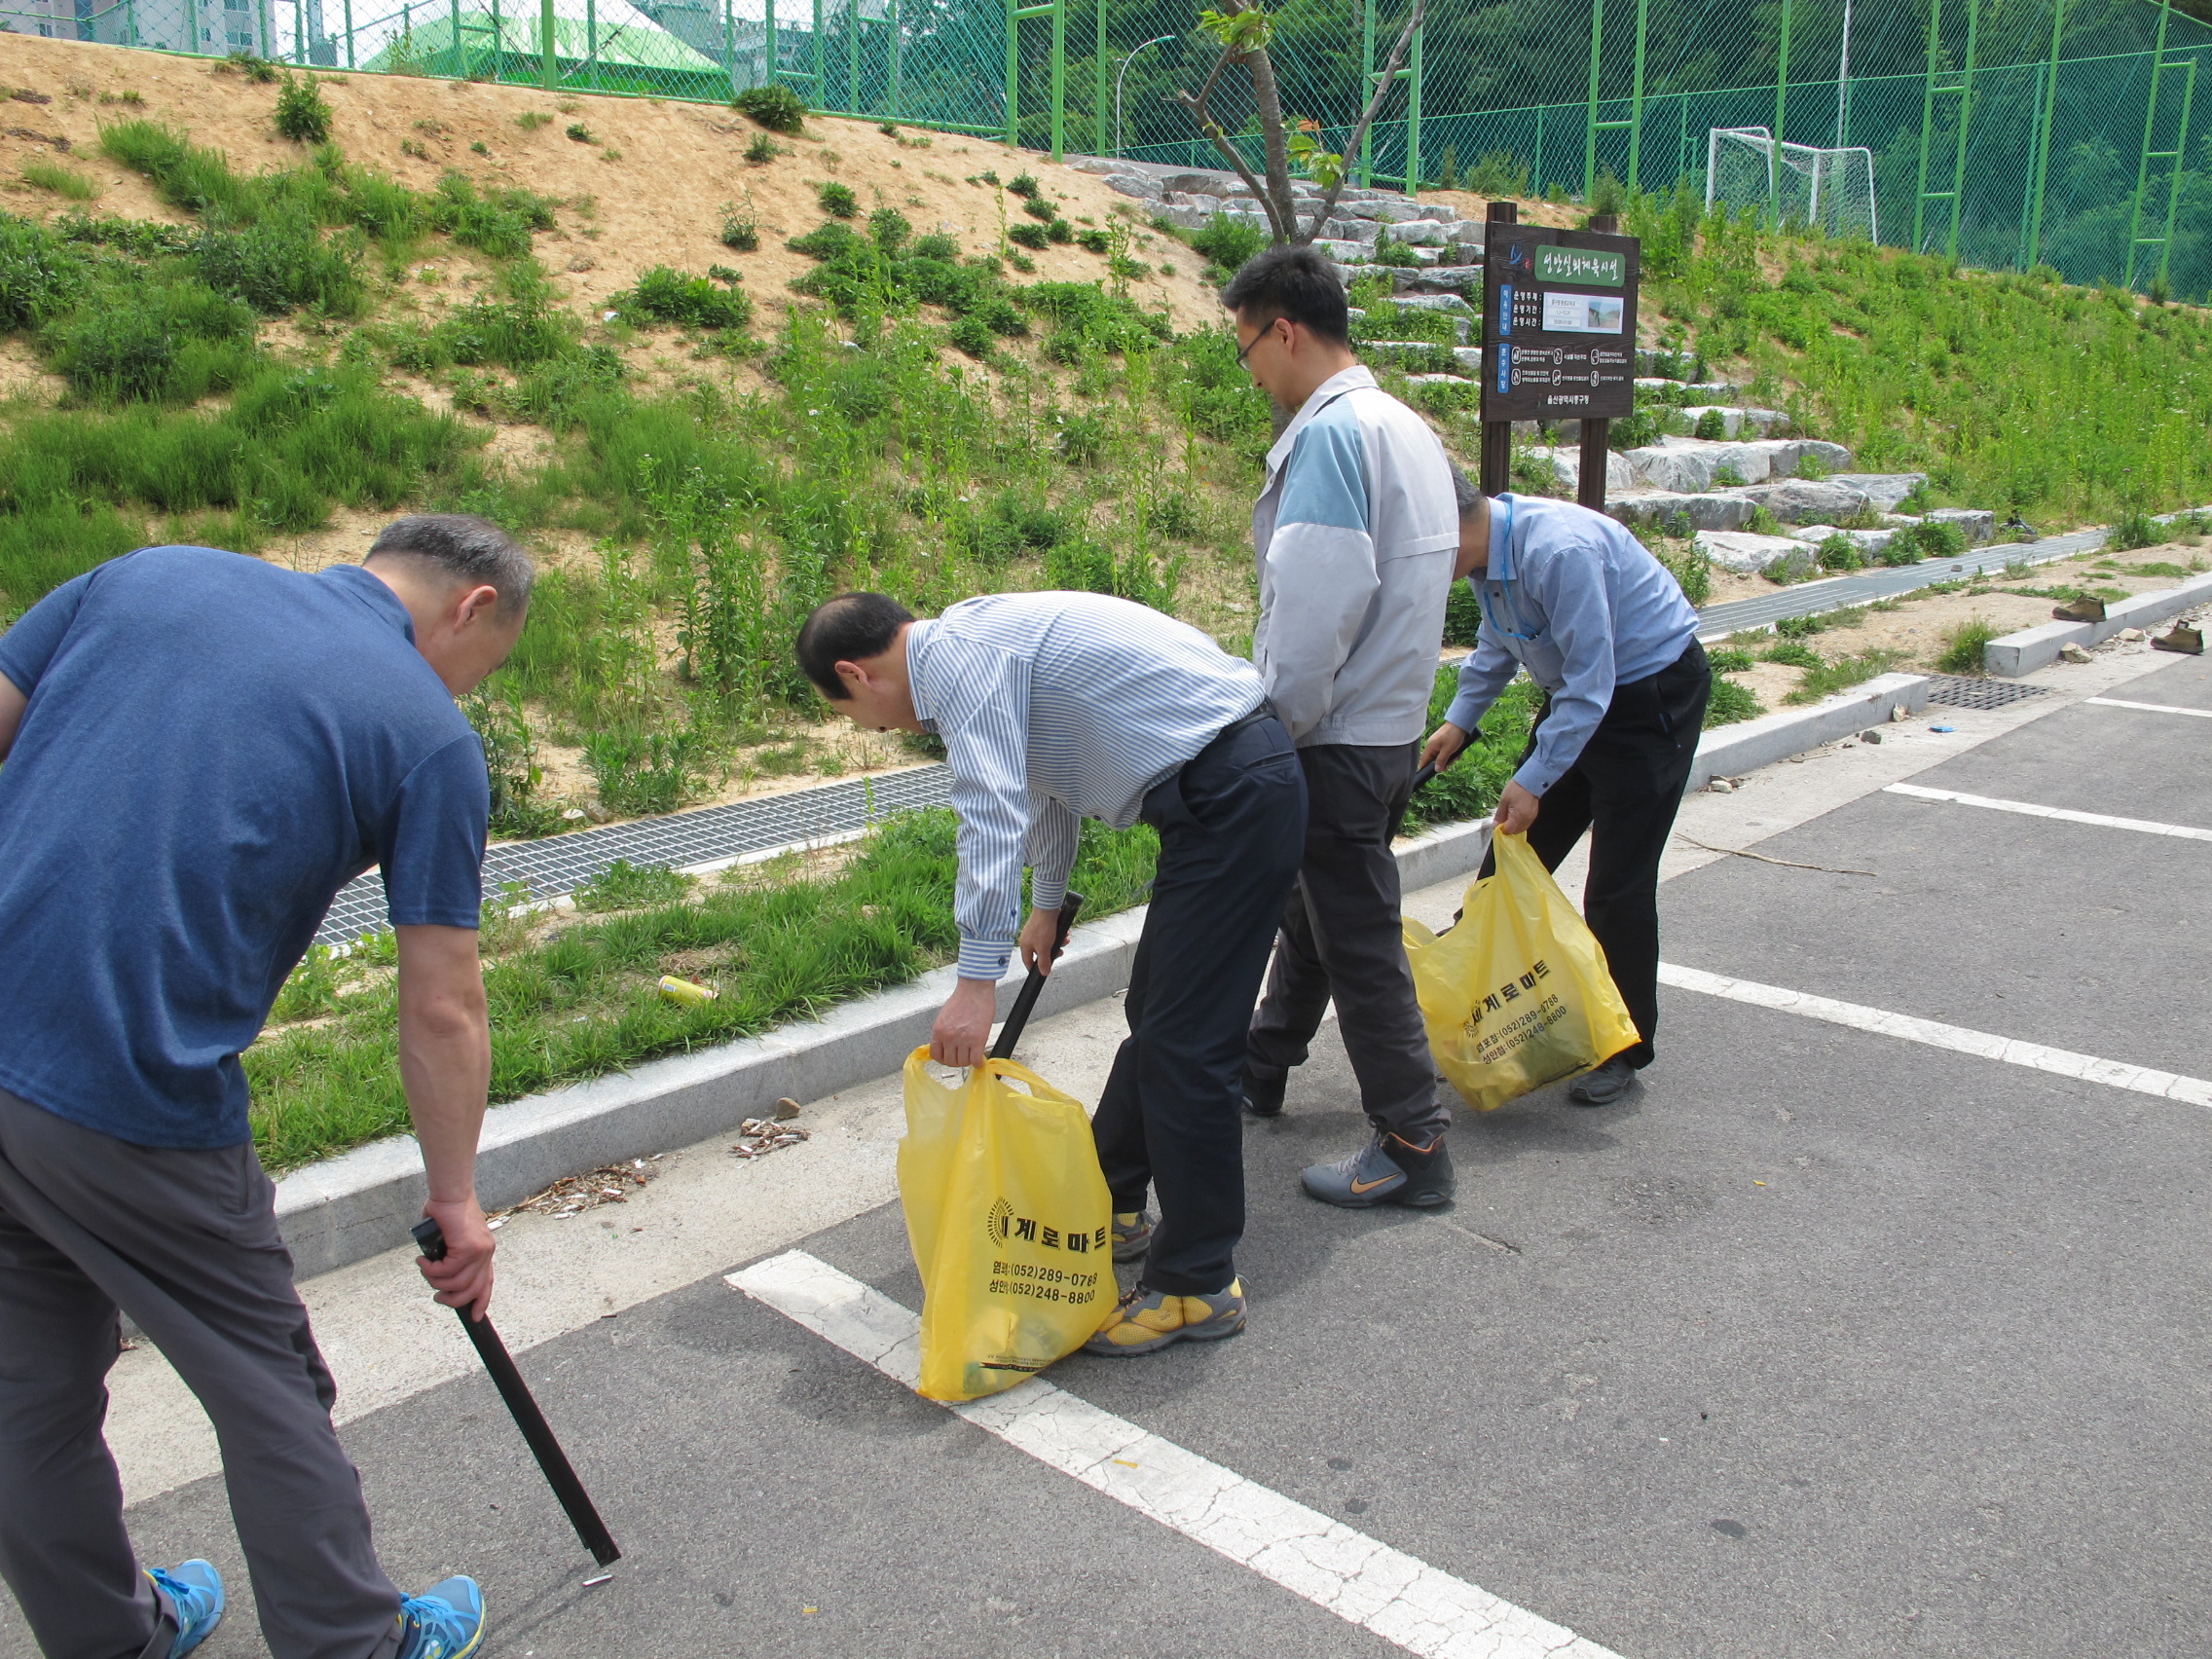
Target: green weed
[
  {"x": 1731, "y": 701},
  {"x": 45, "y": 174},
  {"x": 1963, "y": 647},
  {"x": 774, "y": 107},
  {"x": 303, "y": 114},
  {"x": 625, "y": 886},
  {"x": 1841, "y": 674}
]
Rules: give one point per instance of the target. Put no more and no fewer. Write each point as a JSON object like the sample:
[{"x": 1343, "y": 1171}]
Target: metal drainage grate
[
  {"x": 561, "y": 864},
  {"x": 1966, "y": 691}
]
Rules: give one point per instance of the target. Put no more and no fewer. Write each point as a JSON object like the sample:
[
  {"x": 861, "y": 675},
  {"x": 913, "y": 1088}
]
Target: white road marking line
[
  {"x": 1365, "y": 1582},
  {"x": 2064, "y": 1063},
  {"x": 2143, "y": 826},
  {"x": 2148, "y": 708}
]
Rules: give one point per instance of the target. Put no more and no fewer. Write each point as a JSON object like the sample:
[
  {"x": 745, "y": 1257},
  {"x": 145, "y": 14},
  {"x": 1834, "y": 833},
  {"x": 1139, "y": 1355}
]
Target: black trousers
[
  {"x": 1232, "y": 824},
  {"x": 1624, "y": 789},
  {"x": 1341, "y": 938}
]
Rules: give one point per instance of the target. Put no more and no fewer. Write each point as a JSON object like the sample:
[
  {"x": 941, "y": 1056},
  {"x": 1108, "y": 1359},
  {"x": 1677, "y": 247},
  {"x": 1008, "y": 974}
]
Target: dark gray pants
[
  {"x": 1342, "y": 938},
  {"x": 186, "y": 1243}
]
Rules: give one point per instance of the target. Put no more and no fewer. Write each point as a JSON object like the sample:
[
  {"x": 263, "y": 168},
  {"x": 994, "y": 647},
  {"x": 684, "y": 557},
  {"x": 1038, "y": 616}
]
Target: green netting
[{"x": 2075, "y": 134}]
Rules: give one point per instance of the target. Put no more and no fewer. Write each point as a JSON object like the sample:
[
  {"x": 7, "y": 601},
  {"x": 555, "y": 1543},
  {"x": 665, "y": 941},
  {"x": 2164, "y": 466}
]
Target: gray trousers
[
  {"x": 1342, "y": 938},
  {"x": 186, "y": 1243}
]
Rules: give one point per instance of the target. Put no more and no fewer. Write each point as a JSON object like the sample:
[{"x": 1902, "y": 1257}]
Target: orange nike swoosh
[{"x": 1364, "y": 1187}]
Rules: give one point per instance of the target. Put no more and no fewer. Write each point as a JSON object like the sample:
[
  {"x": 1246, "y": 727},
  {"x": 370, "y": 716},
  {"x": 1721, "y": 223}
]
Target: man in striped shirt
[{"x": 1058, "y": 707}]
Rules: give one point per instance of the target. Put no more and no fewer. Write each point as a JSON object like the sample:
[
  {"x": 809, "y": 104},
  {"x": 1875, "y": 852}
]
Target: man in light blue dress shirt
[
  {"x": 1575, "y": 600},
  {"x": 1058, "y": 707}
]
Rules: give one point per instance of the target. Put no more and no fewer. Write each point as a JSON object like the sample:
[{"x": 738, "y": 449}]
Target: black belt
[{"x": 1243, "y": 723}]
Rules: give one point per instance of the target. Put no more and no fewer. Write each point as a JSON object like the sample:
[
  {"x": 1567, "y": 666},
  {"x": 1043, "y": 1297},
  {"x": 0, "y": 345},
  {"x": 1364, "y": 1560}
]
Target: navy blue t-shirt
[{"x": 213, "y": 748}]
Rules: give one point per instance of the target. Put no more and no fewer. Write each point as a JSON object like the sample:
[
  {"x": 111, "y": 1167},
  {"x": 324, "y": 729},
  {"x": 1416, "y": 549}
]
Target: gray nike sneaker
[{"x": 1386, "y": 1170}]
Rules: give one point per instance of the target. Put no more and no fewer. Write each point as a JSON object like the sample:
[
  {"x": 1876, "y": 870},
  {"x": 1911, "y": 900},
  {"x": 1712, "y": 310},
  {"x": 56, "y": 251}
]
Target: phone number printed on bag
[
  {"x": 1041, "y": 1285},
  {"x": 1510, "y": 992}
]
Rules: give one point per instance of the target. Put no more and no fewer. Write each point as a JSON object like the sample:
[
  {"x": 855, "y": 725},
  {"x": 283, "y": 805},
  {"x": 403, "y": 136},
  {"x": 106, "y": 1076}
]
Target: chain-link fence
[{"x": 2075, "y": 134}]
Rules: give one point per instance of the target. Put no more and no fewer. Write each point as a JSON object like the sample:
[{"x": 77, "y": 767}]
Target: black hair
[
  {"x": 850, "y": 628},
  {"x": 467, "y": 548},
  {"x": 1293, "y": 282}
]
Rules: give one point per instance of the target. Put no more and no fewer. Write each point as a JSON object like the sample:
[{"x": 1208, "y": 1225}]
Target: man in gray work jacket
[
  {"x": 1597, "y": 622},
  {"x": 1355, "y": 533}
]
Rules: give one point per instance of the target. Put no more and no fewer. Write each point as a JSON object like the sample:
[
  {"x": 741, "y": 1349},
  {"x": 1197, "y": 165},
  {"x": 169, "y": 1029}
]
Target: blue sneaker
[
  {"x": 1386, "y": 1170},
  {"x": 192, "y": 1594},
  {"x": 445, "y": 1622}
]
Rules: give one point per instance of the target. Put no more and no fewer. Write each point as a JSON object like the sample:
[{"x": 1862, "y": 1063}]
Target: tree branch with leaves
[{"x": 1246, "y": 32}]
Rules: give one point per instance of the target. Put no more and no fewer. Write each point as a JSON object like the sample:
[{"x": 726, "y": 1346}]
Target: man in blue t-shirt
[{"x": 201, "y": 749}]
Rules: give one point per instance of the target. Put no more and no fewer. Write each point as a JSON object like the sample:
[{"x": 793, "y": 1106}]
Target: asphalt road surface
[{"x": 1824, "y": 1342}]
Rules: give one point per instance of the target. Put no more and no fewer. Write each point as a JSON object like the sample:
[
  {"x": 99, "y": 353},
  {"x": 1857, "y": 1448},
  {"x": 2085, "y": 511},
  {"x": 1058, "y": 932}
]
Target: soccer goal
[{"x": 1831, "y": 191}]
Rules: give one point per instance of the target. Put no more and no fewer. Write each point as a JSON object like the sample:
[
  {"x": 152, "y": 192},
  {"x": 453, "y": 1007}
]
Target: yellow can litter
[{"x": 688, "y": 992}]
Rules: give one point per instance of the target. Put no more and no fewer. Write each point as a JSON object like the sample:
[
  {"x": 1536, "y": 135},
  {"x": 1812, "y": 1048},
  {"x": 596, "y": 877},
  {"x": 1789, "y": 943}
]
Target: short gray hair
[
  {"x": 1469, "y": 496},
  {"x": 467, "y": 548}
]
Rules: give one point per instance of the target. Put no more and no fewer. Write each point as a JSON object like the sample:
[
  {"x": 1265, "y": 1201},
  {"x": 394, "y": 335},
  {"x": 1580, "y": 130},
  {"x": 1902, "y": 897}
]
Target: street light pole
[{"x": 1157, "y": 40}]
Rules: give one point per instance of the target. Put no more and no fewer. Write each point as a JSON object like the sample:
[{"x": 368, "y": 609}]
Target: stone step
[
  {"x": 1567, "y": 467},
  {"x": 1734, "y": 419},
  {"x": 1666, "y": 508},
  {"x": 1698, "y": 389},
  {"x": 1690, "y": 466},
  {"x": 1747, "y": 554},
  {"x": 1885, "y": 489},
  {"x": 1464, "y": 279}
]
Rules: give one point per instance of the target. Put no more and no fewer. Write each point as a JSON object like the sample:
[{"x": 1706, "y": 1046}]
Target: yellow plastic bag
[
  {"x": 1008, "y": 1217},
  {"x": 1517, "y": 995}
]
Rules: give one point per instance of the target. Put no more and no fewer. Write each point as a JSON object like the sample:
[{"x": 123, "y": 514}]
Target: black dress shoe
[
  {"x": 1602, "y": 1087},
  {"x": 1263, "y": 1089}
]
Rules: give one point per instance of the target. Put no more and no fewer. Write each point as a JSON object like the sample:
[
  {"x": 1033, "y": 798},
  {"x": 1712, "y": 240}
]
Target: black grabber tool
[
  {"x": 558, "y": 1475},
  {"x": 1018, "y": 1017}
]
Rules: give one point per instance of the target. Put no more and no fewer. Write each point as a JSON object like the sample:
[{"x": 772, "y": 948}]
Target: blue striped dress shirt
[{"x": 1053, "y": 708}]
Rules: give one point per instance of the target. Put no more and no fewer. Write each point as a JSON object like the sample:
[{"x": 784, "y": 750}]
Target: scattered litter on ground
[
  {"x": 1943, "y": 728},
  {"x": 1869, "y": 735},
  {"x": 1793, "y": 864},
  {"x": 763, "y": 1135},
  {"x": 576, "y": 1194},
  {"x": 687, "y": 992}
]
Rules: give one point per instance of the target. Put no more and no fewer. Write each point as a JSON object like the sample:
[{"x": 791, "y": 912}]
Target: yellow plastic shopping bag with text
[
  {"x": 1008, "y": 1217},
  {"x": 1517, "y": 994}
]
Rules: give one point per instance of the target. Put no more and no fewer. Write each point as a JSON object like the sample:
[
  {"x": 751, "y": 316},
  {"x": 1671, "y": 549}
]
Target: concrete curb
[
  {"x": 361, "y": 1202},
  {"x": 1729, "y": 751},
  {"x": 2032, "y": 649}
]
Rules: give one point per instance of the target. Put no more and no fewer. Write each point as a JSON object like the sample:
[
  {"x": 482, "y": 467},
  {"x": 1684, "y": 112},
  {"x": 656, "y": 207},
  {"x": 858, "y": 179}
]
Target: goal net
[{"x": 1831, "y": 191}]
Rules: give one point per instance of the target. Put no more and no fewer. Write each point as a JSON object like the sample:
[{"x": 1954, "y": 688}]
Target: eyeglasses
[{"x": 1255, "y": 339}]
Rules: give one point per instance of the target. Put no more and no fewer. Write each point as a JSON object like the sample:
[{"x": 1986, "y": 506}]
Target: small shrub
[
  {"x": 1794, "y": 653},
  {"x": 1692, "y": 570},
  {"x": 1731, "y": 701},
  {"x": 1037, "y": 207},
  {"x": 252, "y": 67},
  {"x": 1084, "y": 439},
  {"x": 44, "y": 174},
  {"x": 837, "y": 201},
  {"x": 499, "y": 223},
  {"x": 1730, "y": 478},
  {"x": 1093, "y": 242},
  {"x": 1228, "y": 243},
  {"x": 531, "y": 120},
  {"x": 640, "y": 774},
  {"x": 1711, "y": 425},
  {"x": 740, "y": 231},
  {"x": 1729, "y": 659},
  {"x": 1500, "y": 173},
  {"x": 1964, "y": 646},
  {"x": 1840, "y": 675},
  {"x": 301, "y": 115},
  {"x": 1024, "y": 185},
  {"x": 479, "y": 147},
  {"x": 1059, "y": 230},
  {"x": 774, "y": 107},
  {"x": 1388, "y": 251},
  {"x": 889, "y": 228},
  {"x": 1838, "y": 552},
  {"x": 1800, "y": 627},
  {"x": 2134, "y": 528},
  {"x": 762, "y": 150},
  {"x": 663, "y": 295},
  {"x": 311, "y": 990},
  {"x": 1029, "y": 237},
  {"x": 971, "y": 336},
  {"x": 625, "y": 886},
  {"x": 1762, "y": 522},
  {"x": 581, "y": 133},
  {"x": 1126, "y": 270}
]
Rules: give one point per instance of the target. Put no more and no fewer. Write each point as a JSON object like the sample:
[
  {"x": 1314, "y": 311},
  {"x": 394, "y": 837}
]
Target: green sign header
[{"x": 1580, "y": 265}]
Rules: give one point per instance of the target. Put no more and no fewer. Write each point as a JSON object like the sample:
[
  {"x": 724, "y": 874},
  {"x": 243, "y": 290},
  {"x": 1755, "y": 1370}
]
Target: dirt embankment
[{"x": 651, "y": 187}]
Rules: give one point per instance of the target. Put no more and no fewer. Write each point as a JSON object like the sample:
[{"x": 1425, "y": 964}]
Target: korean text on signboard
[{"x": 1559, "y": 326}]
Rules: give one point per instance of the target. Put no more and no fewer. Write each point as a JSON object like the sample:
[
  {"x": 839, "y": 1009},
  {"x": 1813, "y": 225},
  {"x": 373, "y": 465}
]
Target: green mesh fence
[{"x": 2074, "y": 134}]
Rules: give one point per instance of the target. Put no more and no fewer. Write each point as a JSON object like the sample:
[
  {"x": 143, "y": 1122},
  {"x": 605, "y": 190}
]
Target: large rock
[
  {"x": 1420, "y": 232},
  {"x": 1362, "y": 230},
  {"x": 1399, "y": 212},
  {"x": 1343, "y": 252},
  {"x": 1735, "y": 422},
  {"x": 1665, "y": 509},
  {"x": 1978, "y": 524},
  {"x": 1470, "y": 358},
  {"x": 1802, "y": 501},
  {"x": 1444, "y": 280},
  {"x": 1746, "y": 553},
  {"x": 1143, "y": 186},
  {"x": 1870, "y": 542},
  {"x": 1885, "y": 489},
  {"x": 1693, "y": 465},
  {"x": 1681, "y": 471},
  {"x": 1200, "y": 183},
  {"x": 1567, "y": 467},
  {"x": 1829, "y": 456},
  {"x": 1451, "y": 303},
  {"x": 1186, "y": 218}
]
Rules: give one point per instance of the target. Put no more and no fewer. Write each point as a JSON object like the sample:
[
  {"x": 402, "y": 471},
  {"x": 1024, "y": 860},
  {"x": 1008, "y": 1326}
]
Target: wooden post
[
  {"x": 1590, "y": 483},
  {"x": 1497, "y": 435}
]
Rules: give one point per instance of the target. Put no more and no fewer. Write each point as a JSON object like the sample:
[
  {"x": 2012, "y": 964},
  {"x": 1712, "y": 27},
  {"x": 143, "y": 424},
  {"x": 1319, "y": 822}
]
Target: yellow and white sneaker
[{"x": 1148, "y": 1320}]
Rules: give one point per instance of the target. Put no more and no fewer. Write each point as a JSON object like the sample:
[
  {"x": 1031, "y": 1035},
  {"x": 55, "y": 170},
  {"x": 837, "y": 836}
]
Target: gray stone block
[
  {"x": 1665, "y": 508},
  {"x": 1870, "y": 542},
  {"x": 1186, "y": 218},
  {"x": 1362, "y": 230},
  {"x": 1736, "y": 423},
  {"x": 1445, "y": 279},
  {"x": 1451, "y": 303},
  {"x": 1885, "y": 489},
  {"x": 1746, "y": 553},
  {"x": 1470, "y": 358},
  {"x": 1978, "y": 524},
  {"x": 1800, "y": 500},
  {"x": 1399, "y": 212},
  {"x": 1343, "y": 252},
  {"x": 1567, "y": 467},
  {"x": 1140, "y": 185},
  {"x": 1419, "y": 232}
]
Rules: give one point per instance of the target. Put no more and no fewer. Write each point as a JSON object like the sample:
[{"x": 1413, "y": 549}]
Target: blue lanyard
[{"x": 1483, "y": 601}]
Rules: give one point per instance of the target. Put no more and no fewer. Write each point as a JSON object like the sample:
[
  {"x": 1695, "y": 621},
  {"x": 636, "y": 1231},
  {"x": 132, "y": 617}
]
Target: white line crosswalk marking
[
  {"x": 1959, "y": 1039},
  {"x": 1358, "y": 1578},
  {"x": 2029, "y": 808},
  {"x": 2148, "y": 708}
]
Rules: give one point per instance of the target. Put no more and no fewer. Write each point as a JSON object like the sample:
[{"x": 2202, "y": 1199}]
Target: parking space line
[
  {"x": 1357, "y": 1578},
  {"x": 1959, "y": 1039},
  {"x": 2029, "y": 808},
  {"x": 2148, "y": 708}
]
